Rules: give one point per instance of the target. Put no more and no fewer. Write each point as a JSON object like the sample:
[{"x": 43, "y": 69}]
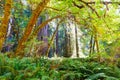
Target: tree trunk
[
  {"x": 43, "y": 36},
  {"x": 68, "y": 48},
  {"x": 4, "y": 26},
  {"x": 96, "y": 38},
  {"x": 40, "y": 33},
  {"x": 30, "y": 26},
  {"x": 91, "y": 45},
  {"x": 69, "y": 45},
  {"x": 66, "y": 43},
  {"x": 57, "y": 48},
  {"x": 76, "y": 38},
  {"x": 96, "y": 41}
]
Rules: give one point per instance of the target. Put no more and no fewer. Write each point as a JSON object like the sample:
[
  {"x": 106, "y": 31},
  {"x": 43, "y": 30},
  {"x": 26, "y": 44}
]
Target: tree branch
[
  {"x": 90, "y": 7},
  {"x": 104, "y": 2},
  {"x": 43, "y": 25},
  {"x": 79, "y": 6}
]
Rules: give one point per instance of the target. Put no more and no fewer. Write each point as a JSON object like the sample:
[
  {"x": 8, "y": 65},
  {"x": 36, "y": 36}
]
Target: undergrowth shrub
[{"x": 29, "y": 68}]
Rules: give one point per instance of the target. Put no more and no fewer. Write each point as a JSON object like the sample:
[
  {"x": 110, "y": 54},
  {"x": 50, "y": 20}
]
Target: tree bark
[
  {"x": 91, "y": 45},
  {"x": 66, "y": 43},
  {"x": 57, "y": 47},
  {"x": 4, "y": 24},
  {"x": 76, "y": 38},
  {"x": 30, "y": 26},
  {"x": 97, "y": 44}
]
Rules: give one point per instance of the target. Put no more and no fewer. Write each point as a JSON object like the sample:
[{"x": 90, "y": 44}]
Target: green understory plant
[{"x": 29, "y": 68}]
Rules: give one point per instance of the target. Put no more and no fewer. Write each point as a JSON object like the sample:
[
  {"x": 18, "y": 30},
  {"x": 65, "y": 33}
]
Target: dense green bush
[{"x": 44, "y": 69}]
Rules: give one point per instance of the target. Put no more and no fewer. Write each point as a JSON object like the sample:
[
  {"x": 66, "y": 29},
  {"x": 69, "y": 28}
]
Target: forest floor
[{"x": 29, "y": 68}]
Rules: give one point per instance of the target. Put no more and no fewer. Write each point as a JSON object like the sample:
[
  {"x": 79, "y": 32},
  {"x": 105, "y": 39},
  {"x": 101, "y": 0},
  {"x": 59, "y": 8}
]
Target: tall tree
[
  {"x": 68, "y": 48},
  {"x": 76, "y": 40},
  {"x": 53, "y": 36},
  {"x": 57, "y": 46},
  {"x": 4, "y": 24}
]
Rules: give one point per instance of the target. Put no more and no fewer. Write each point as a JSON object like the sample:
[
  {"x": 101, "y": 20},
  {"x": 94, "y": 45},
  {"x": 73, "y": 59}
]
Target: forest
[{"x": 59, "y": 39}]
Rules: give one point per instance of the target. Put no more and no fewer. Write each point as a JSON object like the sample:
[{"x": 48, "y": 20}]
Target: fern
[
  {"x": 68, "y": 69},
  {"x": 96, "y": 76}
]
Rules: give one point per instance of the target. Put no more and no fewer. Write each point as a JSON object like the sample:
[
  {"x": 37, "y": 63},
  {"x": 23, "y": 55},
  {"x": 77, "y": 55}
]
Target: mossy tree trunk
[
  {"x": 30, "y": 26},
  {"x": 5, "y": 21}
]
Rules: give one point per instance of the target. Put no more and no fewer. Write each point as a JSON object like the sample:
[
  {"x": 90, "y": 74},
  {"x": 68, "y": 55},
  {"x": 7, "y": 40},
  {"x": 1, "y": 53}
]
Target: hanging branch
[
  {"x": 90, "y": 7},
  {"x": 79, "y": 6},
  {"x": 58, "y": 10},
  {"x": 53, "y": 8},
  {"x": 104, "y": 2},
  {"x": 53, "y": 36},
  {"x": 5, "y": 21},
  {"x": 30, "y": 26}
]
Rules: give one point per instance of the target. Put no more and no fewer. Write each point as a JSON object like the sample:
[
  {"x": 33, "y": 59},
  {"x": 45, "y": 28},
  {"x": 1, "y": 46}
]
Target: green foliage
[
  {"x": 106, "y": 28},
  {"x": 45, "y": 69}
]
